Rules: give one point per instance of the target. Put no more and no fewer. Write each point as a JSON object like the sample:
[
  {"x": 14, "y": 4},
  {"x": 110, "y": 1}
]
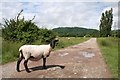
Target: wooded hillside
[{"x": 75, "y": 32}]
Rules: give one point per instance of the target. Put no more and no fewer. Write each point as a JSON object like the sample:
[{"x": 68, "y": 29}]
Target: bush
[
  {"x": 25, "y": 31},
  {"x": 104, "y": 43},
  {"x": 46, "y": 35}
]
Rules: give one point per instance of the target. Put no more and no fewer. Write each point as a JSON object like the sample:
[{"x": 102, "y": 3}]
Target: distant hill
[{"x": 75, "y": 32}]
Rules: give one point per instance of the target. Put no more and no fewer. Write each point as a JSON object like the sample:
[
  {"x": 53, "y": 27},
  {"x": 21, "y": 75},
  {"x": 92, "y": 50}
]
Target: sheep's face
[
  {"x": 56, "y": 41},
  {"x": 53, "y": 42}
]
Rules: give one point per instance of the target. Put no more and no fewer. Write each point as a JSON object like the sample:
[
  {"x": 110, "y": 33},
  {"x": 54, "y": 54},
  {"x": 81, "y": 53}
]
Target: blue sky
[{"x": 54, "y": 13}]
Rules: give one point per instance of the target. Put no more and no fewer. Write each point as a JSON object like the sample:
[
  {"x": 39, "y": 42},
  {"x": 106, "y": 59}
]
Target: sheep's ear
[
  {"x": 56, "y": 39},
  {"x": 47, "y": 41}
]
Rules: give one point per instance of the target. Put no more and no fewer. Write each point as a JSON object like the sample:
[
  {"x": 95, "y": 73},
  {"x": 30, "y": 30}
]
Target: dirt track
[{"x": 79, "y": 61}]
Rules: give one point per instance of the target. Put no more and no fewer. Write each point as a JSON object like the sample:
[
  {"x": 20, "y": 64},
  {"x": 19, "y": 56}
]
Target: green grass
[
  {"x": 65, "y": 42},
  {"x": 0, "y": 50},
  {"x": 10, "y": 49},
  {"x": 109, "y": 49}
]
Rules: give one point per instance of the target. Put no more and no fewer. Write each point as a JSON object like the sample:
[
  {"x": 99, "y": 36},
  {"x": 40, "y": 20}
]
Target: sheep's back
[{"x": 34, "y": 50}]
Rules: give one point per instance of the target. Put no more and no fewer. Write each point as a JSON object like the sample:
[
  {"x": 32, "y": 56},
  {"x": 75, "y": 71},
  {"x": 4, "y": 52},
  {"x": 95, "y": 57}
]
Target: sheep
[
  {"x": 35, "y": 53},
  {"x": 68, "y": 38}
]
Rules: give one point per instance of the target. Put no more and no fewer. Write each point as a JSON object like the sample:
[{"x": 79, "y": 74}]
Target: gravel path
[{"x": 79, "y": 61}]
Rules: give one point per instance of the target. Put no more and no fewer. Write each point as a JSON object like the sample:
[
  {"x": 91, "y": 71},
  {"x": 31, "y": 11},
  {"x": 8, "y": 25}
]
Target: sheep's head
[{"x": 53, "y": 42}]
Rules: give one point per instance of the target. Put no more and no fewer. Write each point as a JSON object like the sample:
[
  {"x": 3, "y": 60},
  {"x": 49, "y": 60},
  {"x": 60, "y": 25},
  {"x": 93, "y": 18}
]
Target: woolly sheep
[
  {"x": 68, "y": 38},
  {"x": 35, "y": 53}
]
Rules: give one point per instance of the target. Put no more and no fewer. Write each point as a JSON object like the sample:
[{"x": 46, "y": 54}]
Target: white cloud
[
  {"x": 110, "y": 0},
  {"x": 48, "y": 1},
  {"x": 0, "y": 12},
  {"x": 54, "y": 14},
  {"x": 59, "y": 0},
  {"x": 10, "y": 9}
]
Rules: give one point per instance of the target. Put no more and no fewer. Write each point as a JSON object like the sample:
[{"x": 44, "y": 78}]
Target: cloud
[
  {"x": 66, "y": 15},
  {"x": 56, "y": 14},
  {"x": 60, "y": 1},
  {"x": 0, "y": 11},
  {"x": 110, "y": 0},
  {"x": 10, "y": 9}
]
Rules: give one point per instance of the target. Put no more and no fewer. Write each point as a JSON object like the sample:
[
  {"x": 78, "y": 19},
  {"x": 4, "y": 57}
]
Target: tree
[
  {"x": 26, "y": 31},
  {"x": 20, "y": 29},
  {"x": 106, "y": 23}
]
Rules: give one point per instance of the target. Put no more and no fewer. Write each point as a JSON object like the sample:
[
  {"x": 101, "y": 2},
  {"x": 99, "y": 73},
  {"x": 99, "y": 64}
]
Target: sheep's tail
[{"x": 21, "y": 53}]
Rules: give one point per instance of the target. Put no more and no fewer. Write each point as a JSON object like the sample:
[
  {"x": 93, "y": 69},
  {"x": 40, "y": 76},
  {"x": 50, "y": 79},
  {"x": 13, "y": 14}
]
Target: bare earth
[{"x": 79, "y": 61}]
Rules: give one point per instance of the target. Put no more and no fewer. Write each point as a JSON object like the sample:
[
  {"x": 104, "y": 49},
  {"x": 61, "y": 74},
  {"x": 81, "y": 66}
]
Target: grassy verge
[
  {"x": 0, "y": 50},
  {"x": 109, "y": 49},
  {"x": 10, "y": 49},
  {"x": 68, "y": 41}
]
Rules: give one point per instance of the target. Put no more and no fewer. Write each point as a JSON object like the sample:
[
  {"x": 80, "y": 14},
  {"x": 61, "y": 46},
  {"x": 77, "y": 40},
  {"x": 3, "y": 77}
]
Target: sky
[{"x": 60, "y": 13}]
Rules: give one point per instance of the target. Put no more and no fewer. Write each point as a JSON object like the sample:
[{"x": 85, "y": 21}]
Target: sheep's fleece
[{"x": 36, "y": 51}]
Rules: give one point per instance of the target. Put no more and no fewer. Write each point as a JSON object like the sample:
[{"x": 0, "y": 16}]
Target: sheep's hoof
[
  {"x": 28, "y": 71},
  {"x": 18, "y": 70}
]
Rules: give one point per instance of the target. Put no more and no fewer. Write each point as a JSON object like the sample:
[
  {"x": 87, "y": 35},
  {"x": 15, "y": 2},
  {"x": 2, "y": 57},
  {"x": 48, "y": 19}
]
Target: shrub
[
  {"x": 104, "y": 43},
  {"x": 25, "y": 31}
]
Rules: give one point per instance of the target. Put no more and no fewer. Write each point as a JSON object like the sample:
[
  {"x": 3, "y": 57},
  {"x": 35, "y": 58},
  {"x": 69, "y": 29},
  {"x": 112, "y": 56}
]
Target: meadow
[
  {"x": 109, "y": 50},
  {"x": 10, "y": 49}
]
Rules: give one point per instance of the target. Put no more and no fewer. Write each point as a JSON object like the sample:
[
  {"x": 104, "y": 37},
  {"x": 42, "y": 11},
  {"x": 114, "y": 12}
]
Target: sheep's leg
[
  {"x": 26, "y": 67},
  {"x": 18, "y": 63},
  {"x": 44, "y": 61}
]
